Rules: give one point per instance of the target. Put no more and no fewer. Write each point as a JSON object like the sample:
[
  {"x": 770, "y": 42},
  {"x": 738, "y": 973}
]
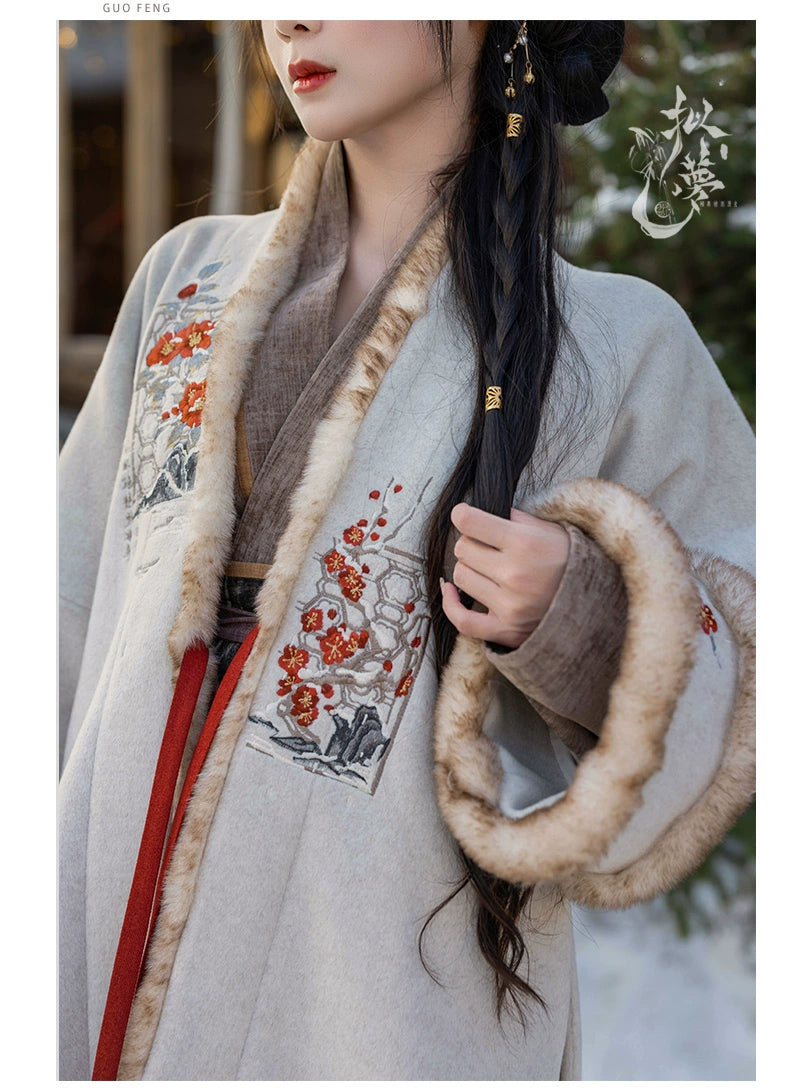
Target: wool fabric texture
[{"x": 323, "y": 826}]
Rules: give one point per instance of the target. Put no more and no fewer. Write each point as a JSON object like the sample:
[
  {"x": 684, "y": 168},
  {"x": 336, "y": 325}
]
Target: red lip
[{"x": 301, "y": 69}]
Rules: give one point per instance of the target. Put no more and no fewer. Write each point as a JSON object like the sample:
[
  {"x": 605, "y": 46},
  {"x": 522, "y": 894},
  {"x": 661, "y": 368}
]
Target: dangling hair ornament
[{"x": 514, "y": 120}]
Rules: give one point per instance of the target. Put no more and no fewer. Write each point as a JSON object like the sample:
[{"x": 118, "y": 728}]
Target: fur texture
[
  {"x": 212, "y": 514},
  {"x": 405, "y": 301},
  {"x": 562, "y": 842},
  {"x": 559, "y": 844},
  {"x": 694, "y": 834}
]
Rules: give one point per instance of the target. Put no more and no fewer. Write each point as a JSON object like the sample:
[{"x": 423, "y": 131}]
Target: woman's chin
[
  {"x": 323, "y": 133},
  {"x": 328, "y": 124},
  {"x": 325, "y": 129}
]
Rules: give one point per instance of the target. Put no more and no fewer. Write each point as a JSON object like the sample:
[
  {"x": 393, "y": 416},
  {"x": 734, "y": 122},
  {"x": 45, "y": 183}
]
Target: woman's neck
[
  {"x": 390, "y": 170},
  {"x": 389, "y": 175}
]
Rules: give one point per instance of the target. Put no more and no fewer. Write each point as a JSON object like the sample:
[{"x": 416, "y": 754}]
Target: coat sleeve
[
  {"x": 88, "y": 471},
  {"x": 568, "y": 669},
  {"x": 674, "y": 763}
]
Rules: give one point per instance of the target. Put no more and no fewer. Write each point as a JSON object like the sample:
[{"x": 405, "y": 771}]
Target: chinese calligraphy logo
[{"x": 676, "y": 175}]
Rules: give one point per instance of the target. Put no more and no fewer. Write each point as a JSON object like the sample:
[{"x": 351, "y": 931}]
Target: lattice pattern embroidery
[
  {"x": 171, "y": 392},
  {"x": 354, "y": 652}
]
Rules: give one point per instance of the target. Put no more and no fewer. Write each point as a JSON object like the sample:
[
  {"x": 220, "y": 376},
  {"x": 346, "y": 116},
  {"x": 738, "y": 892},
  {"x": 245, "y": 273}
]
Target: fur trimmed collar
[{"x": 212, "y": 519}]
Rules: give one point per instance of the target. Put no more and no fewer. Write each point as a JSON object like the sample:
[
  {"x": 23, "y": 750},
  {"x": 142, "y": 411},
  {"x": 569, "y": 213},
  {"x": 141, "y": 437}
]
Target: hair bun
[{"x": 578, "y": 57}]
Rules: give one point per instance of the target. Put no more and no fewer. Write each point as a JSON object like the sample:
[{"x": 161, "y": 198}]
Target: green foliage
[
  {"x": 728, "y": 874},
  {"x": 709, "y": 265}
]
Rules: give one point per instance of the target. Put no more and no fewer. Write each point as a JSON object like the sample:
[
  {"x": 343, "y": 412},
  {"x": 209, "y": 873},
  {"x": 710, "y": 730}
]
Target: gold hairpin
[
  {"x": 522, "y": 38},
  {"x": 528, "y": 76},
  {"x": 493, "y": 397}
]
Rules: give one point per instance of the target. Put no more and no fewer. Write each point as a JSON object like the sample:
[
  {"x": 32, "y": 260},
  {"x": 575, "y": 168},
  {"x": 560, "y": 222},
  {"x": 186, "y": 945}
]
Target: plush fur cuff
[
  {"x": 563, "y": 842},
  {"x": 694, "y": 834}
]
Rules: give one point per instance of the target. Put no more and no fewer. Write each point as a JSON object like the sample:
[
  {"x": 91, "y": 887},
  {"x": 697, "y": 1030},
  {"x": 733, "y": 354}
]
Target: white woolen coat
[{"x": 285, "y": 947}]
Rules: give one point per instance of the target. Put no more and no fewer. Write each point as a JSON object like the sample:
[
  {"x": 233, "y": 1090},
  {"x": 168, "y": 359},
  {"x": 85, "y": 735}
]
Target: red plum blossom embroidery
[
  {"x": 287, "y": 683},
  {"x": 334, "y": 562},
  {"x": 194, "y": 336},
  {"x": 305, "y": 705},
  {"x": 333, "y": 646},
  {"x": 170, "y": 389},
  {"x": 293, "y": 658},
  {"x": 357, "y": 644},
  {"x": 351, "y": 583},
  {"x": 312, "y": 621},
  {"x": 404, "y": 685},
  {"x": 707, "y": 620},
  {"x": 336, "y": 647},
  {"x": 191, "y": 405},
  {"x": 166, "y": 348},
  {"x": 357, "y": 641},
  {"x": 353, "y": 536},
  {"x": 709, "y": 625}
]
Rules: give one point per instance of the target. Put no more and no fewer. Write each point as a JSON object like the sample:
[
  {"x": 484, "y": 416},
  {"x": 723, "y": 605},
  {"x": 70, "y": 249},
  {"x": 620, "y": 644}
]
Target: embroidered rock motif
[
  {"x": 354, "y": 651},
  {"x": 171, "y": 392}
]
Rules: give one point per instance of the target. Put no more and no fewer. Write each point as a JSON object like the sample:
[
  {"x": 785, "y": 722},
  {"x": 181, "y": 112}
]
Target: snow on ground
[{"x": 658, "y": 1007}]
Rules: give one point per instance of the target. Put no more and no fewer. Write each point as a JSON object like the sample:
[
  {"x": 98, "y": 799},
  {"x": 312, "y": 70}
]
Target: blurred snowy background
[
  {"x": 667, "y": 989},
  {"x": 658, "y": 1006}
]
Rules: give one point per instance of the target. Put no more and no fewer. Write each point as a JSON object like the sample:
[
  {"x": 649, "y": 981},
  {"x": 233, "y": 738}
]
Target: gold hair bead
[
  {"x": 514, "y": 124},
  {"x": 514, "y": 120},
  {"x": 528, "y": 76},
  {"x": 493, "y": 397}
]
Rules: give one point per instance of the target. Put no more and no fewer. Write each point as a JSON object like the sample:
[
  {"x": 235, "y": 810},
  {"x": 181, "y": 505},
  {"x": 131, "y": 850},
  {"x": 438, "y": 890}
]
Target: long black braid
[
  {"x": 502, "y": 210},
  {"x": 503, "y": 196}
]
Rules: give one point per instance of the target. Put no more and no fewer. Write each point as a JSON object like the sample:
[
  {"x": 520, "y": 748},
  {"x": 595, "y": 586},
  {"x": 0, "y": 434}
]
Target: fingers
[
  {"x": 512, "y": 567},
  {"x": 476, "y": 523},
  {"x": 480, "y": 626},
  {"x": 477, "y": 584},
  {"x": 482, "y": 558},
  {"x": 519, "y": 516},
  {"x": 468, "y": 622},
  {"x": 522, "y": 535}
]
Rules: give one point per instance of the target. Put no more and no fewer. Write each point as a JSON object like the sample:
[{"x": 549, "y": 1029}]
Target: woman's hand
[{"x": 512, "y": 566}]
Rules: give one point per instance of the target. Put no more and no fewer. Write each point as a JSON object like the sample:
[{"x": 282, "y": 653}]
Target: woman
[{"x": 375, "y": 462}]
